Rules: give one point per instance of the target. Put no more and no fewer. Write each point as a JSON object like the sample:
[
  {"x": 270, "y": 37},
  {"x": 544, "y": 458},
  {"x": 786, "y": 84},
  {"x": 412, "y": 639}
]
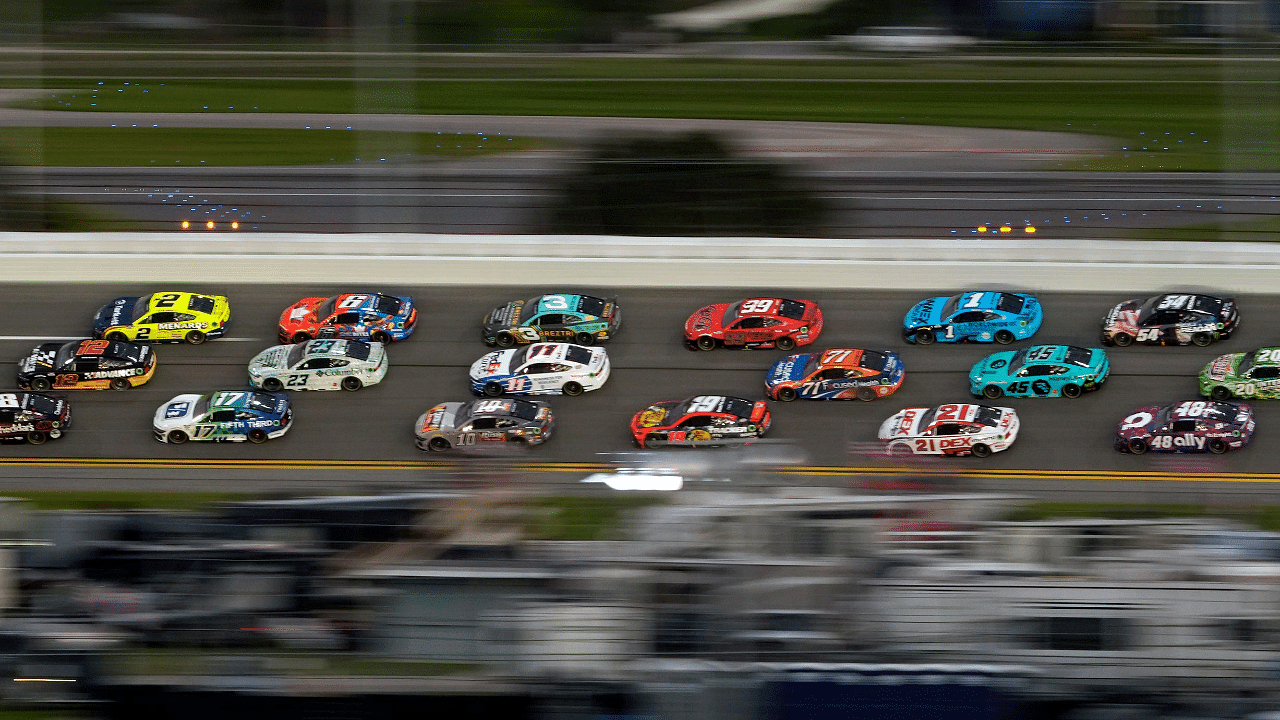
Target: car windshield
[
  {"x": 529, "y": 310},
  {"x": 295, "y": 354},
  {"x": 42, "y": 404},
  {"x": 1079, "y": 356},
  {"x": 950, "y": 305},
  {"x": 730, "y": 314},
  {"x": 201, "y": 304},
  {"x": 388, "y": 305},
  {"x": 1017, "y": 361},
  {"x": 65, "y": 352},
  {"x": 792, "y": 309},
  {"x": 1246, "y": 362},
  {"x": 872, "y": 360},
  {"x": 139, "y": 308},
  {"x": 326, "y": 308}
]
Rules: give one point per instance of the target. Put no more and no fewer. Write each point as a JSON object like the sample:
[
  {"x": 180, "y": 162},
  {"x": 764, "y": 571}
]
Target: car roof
[{"x": 850, "y": 361}]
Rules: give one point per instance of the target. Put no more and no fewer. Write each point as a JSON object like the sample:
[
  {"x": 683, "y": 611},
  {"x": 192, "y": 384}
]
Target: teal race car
[
  {"x": 1250, "y": 375},
  {"x": 1040, "y": 371},
  {"x": 580, "y": 319}
]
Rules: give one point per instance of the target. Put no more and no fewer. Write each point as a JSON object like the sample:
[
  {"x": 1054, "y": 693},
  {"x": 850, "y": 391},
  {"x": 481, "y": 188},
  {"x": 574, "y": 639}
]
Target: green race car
[{"x": 1251, "y": 375}]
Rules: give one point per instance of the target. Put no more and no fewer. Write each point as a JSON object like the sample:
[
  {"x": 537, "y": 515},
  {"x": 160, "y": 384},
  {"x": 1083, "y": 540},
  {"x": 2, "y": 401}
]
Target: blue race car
[
  {"x": 999, "y": 317},
  {"x": 1040, "y": 371}
]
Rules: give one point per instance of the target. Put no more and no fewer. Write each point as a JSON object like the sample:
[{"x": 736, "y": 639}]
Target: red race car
[
  {"x": 700, "y": 421},
  {"x": 754, "y": 323}
]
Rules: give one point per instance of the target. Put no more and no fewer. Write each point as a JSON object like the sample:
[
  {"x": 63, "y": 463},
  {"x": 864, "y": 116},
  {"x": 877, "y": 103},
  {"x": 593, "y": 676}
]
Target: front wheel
[
  {"x": 41, "y": 384},
  {"x": 786, "y": 394},
  {"x": 351, "y": 383},
  {"x": 506, "y": 340},
  {"x": 36, "y": 437},
  {"x": 1137, "y": 446},
  {"x": 1072, "y": 391},
  {"x": 492, "y": 389},
  {"x": 177, "y": 437},
  {"x": 980, "y": 450},
  {"x": 257, "y": 436},
  {"x": 1004, "y": 337},
  {"x": 1217, "y": 446},
  {"x": 438, "y": 444},
  {"x": 1201, "y": 339},
  {"x": 572, "y": 389},
  {"x": 786, "y": 342},
  {"x": 925, "y": 337},
  {"x": 1219, "y": 392},
  {"x": 706, "y": 343},
  {"x": 272, "y": 385},
  {"x": 1122, "y": 339},
  {"x": 585, "y": 338},
  {"x": 992, "y": 392},
  {"x": 120, "y": 384}
]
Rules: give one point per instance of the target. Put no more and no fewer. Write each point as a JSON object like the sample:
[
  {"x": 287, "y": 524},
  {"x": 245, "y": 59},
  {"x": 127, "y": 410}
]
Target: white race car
[
  {"x": 541, "y": 369},
  {"x": 225, "y": 416},
  {"x": 319, "y": 365},
  {"x": 975, "y": 430}
]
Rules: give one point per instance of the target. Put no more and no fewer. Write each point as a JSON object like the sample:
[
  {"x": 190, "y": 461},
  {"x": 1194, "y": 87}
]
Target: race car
[
  {"x": 163, "y": 317},
  {"x": 955, "y": 429},
  {"x": 838, "y": 374},
  {"x": 754, "y": 323},
  {"x": 350, "y": 316},
  {"x": 479, "y": 423},
  {"x": 700, "y": 421},
  {"x": 1251, "y": 375},
  {"x": 581, "y": 319},
  {"x": 86, "y": 365},
  {"x": 33, "y": 417},
  {"x": 1193, "y": 426},
  {"x": 999, "y": 317},
  {"x": 319, "y": 365},
  {"x": 540, "y": 369},
  {"x": 1171, "y": 319},
  {"x": 224, "y": 416},
  {"x": 1040, "y": 371}
]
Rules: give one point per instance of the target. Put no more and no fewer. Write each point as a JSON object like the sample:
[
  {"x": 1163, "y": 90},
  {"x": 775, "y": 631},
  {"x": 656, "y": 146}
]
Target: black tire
[
  {"x": 866, "y": 394},
  {"x": 992, "y": 392},
  {"x": 1072, "y": 391},
  {"x": 493, "y": 389},
  {"x": 786, "y": 394},
  {"x": 272, "y": 385},
  {"x": 506, "y": 340},
  {"x": 195, "y": 337},
  {"x": 36, "y": 437},
  {"x": 1219, "y": 392},
  {"x": 300, "y": 337},
  {"x": 1122, "y": 339},
  {"x": 925, "y": 337},
  {"x": 980, "y": 450},
  {"x": 706, "y": 343},
  {"x": 41, "y": 384},
  {"x": 117, "y": 336},
  {"x": 438, "y": 444},
  {"x": 257, "y": 436},
  {"x": 1138, "y": 446},
  {"x": 380, "y": 337},
  {"x": 177, "y": 437},
  {"x": 786, "y": 342},
  {"x": 351, "y": 383},
  {"x": 1201, "y": 339},
  {"x": 1003, "y": 337},
  {"x": 1217, "y": 446},
  {"x": 120, "y": 384},
  {"x": 572, "y": 389},
  {"x": 585, "y": 339}
]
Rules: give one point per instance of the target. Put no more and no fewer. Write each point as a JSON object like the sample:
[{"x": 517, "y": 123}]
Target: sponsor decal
[
  {"x": 183, "y": 326},
  {"x": 103, "y": 374},
  {"x": 652, "y": 416}
]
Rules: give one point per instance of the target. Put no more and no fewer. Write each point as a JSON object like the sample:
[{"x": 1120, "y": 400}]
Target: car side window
[
  {"x": 159, "y": 317},
  {"x": 1184, "y": 426},
  {"x": 86, "y": 364},
  {"x": 183, "y": 317},
  {"x": 484, "y": 423},
  {"x": 697, "y": 421},
  {"x": 222, "y": 416},
  {"x": 1265, "y": 373},
  {"x": 314, "y": 364},
  {"x": 539, "y": 368},
  {"x": 549, "y": 319},
  {"x": 6, "y": 417},
  {"x": 346, "y": 318},
  {"x": 947, "y": 429},
  {"x": 968, "y": 317}
]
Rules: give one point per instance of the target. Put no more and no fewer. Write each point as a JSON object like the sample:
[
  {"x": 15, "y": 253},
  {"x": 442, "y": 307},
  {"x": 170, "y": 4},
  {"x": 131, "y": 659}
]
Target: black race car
[
  {"x": 1171, "y": 319},
  {"x": 32, "y": 417},
  {"x": 86, "y": 365}
]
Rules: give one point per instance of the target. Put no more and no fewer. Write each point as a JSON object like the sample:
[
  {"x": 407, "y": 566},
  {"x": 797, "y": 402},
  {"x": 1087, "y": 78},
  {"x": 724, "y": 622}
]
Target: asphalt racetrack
[{"x": 338, "y": 435}]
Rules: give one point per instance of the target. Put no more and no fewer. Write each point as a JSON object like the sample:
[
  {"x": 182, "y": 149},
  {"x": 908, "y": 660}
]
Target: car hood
[
  {"x": 116, "y": 312},
  {"x": 271, "y": 358},
  {"x": 174, "y": 413},
  {"x": 1222, "y": 366},
  {"x": 1125, "y": 313},
  {"x": 440, "y": 417},
  {"x": 706, "y": 319},
  {"x": 301, "y": 312},
  {"x": 497, "y": 362},
  {"x": 505, "y": 314},
  {"x": 925, "y": 312},
  {"x": 901, "y": 424},
  {"x": 41, "y": 357},
  {"x": 995, "y": 365},
  {"x": 1138, "y": 422},
  {"x": 788, "y": 369},
  {"x": 654, "y": 416}
]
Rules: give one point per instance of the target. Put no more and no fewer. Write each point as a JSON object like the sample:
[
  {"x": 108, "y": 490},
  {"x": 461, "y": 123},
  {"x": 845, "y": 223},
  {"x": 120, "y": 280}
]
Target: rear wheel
[
  {"x": 351, "y": 383},
  {"x": 572, "y": 388},
  {"x": 1202, "y": 339},
  {"x": 257, "y": 436},
  {"x": 36, "y": 437},
  {"x": 1004, "y": 337},
  {"x": 786, "y": 342},
  {"x": 1122, "y": 339},
  {"x": 177, "y": 437},
  {"x": 584, "y": 338},
  {"x": 1217, "y": 446},
  {"x": 300, "y": 337},
  {"x": 786, "y": 394},
  {"x": 924, "y": 337},
  {"x": 1219, "y": 392},
  {"x": 272, "y": 385},
  {"x": 992, "y": 391},
  {"x": 866, "y": 394},
  {"x": 1137, "y": 446},
  {"x": 506, "y": 340},
  {"x": 980, "y": 450},
  {"x": 195, "y": 337},
  {"x": 41, "y": 384},
  {"x": 120, "y": 384},
  {"x": 438, "y": 444},
  {"x": 706, "y": 342},
  {"x": 1071, "y": 391},
  {"x": 493, "y": 389}
]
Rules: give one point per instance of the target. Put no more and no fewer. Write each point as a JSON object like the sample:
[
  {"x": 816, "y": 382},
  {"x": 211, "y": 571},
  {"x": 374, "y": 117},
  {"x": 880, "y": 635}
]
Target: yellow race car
[{"x": 163, "y": 317}]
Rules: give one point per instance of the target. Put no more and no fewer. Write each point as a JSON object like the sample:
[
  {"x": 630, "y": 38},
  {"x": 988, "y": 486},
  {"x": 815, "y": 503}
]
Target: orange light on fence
[
  {"x": 1005, "y": 229},
  {"x": 982, "y": 228},
  {"x": 186, "y": 224},
  {"x": 235, "y": 226},
  {"x": 209, "y": 224},
  {"x": 1030, "y": 230}
]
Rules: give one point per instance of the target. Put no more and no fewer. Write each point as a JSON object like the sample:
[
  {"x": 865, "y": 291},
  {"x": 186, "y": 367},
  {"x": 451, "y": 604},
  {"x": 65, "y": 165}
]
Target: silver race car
[{"x": 480, "y": 423}]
